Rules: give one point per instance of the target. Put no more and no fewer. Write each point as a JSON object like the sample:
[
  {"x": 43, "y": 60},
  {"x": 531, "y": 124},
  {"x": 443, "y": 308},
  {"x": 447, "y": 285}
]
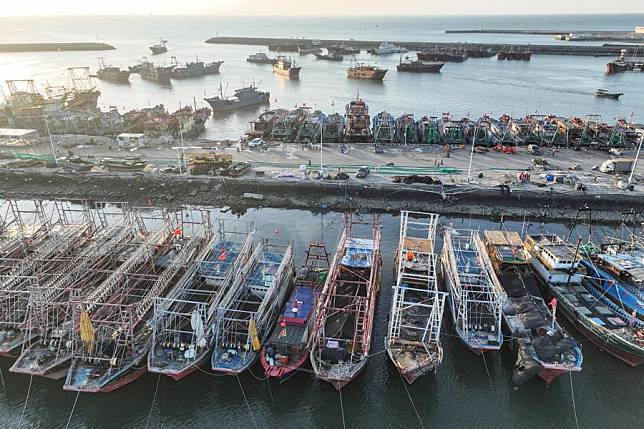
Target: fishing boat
[
  {"x": 543, "y": 347},
  {"x": 66, "y": 240},
  {"x": 603, "y": 93},
  {"x": 428, "y": 130},
  {"x": 288, "y": 346},
  {"x": 112, "y": 334},
  {"x": 157, "y": 74},
  {"x": 343, "y": 49},
  {"x": 413, "y": 335},
  {"x": 452, "y": 132},
  {"x": 475, "y": 301},
  {"x": 305, "y": 50},
  {"x": 194, "y": 69},
  {"x": 247, "y": 313},
  {"x": 286, "y": 67},
  {"x": 260, "y": 58},
  {"x": 329, "y": 56},
  {"x": 143, "y": 63},
  {"x": 366, "y": 71},
  {"x": 333, "y": 128},
  {"x": 417, "y": 66},
  {"x": 387, "y": 48},
  {"x": 608, "y": 304},
  {"x": 441, "y": 55},
  {"x": 345, "y": 311},
  {"x": 358, "y": 128},
  {"x": 182, "y": 335},
  {"x": 111, "y": 73},
  {"x": 406, "y": 131},
  {"x": 384, "y": 128},
  {"x": 248, "y": 96},
  {"x": 47, "y": 350},
  {"x": 159, "y": 48}
]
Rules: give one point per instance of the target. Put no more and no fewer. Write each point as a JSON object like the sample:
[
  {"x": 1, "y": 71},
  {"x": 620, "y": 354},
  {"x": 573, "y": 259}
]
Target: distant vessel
[
  {"x": 441, "y": 55},
  {"x": 244, "y": 97},
  {"x": 260, "y": 58},
  {"x": 194, "y": 69},
  {"x": 144, "y": 63},
  {"x": 159, "y": 48},
  {"x": 343, "y": 49},
  {"x": 366, "y": 71},
  {"x": 417, "y": 66},
  {"x": 155, "y": 74},
  {"x": 304, "y": 50},
  {"x": 286, "y": 67},
  {"x": 515, "y": 54},
  {"x": 387, "y": 48},
  {"x": 605, "y": 94},
  {"x": 112, "y": 74},
  {"x": 330, "y": 56}
]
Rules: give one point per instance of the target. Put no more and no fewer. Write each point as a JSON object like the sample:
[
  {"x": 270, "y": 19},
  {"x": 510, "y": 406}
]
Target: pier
[
  {"x": 562, "y": 49},
  {"x": 54, "y": 47}
]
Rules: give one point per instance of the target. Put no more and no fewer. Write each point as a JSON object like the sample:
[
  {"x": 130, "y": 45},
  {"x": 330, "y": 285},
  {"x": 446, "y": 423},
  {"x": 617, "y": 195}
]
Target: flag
[
  {"x": 177, "y": 232},
  {"x": 553, "y": 303},
  {"x": 223, "y": 255}
]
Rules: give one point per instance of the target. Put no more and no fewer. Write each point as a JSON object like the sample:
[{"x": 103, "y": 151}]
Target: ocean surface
[
  {"x": 467, "y": 391},
  {"x": 546, "y": 84}
]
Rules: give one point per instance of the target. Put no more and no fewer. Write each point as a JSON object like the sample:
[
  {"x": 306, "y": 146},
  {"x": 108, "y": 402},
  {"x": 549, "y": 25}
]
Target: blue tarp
[
  {"x": 359, "y": 253},
  {"x": 223, "y": 255}
]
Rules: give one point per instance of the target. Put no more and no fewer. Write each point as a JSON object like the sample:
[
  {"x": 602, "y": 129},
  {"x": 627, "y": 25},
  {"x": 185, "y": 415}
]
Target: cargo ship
[
  {"x": 247, "y": 96},
  {"x": 345, "y": 312},
  {"x": 417, "y": 66},
  {"x": 413, "y": 336},
  {"x": 111, "y": 73},
  {"x": 159, "y": 48},
  {"x": 287, "y": 348},
  {"x": 194, "y": 69},
  {"x": 286, "y": 67},
  {"x": 366, "y": 71},
  {"x": 542, "y": 346}
]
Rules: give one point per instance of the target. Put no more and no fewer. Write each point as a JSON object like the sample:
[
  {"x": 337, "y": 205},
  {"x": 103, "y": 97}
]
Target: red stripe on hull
[{"x": 281, "y": 372}]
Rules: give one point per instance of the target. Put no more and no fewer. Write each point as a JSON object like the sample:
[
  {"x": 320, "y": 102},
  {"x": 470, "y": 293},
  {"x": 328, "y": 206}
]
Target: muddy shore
[{"x": 175, "y": 190}]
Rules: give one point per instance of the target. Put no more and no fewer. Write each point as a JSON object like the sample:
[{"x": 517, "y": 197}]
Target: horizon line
[{"x": 349, "y": 15}]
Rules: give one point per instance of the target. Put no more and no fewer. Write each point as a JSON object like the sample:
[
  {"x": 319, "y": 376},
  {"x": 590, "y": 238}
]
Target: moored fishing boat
[
  {"x": 345, "y": 311},
  {"x": 248, "y": 311},
  {"x": 112, "y": 73},
  {"x": 248, "y": 96},
  {"x": 610, "y": 306},
  {"x": 159, "y": 48},
  {"x": 182, "y": 334},
  {"x": 111, "y": 325},
  {"x": 194, "y": 68},
  {"x": 543, "y": 347},
  {"x": 329, "y": 56},
  {"x": 417, "y": 66},
  {"x": 413, "y": 336},
  {"x": 287, "y": 348},
  {"x": 260, "y": 58},
  {"x": 358, "y": 122},
  {"x": 47, "y": 350},
  {"x": 366, "y": 71},
  {"x": 475, "y": 301}
]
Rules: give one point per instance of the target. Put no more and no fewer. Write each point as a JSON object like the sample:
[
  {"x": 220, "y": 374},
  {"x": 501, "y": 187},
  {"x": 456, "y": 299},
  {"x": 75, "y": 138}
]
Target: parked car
[
  {"x": 362, "y": 172},
  {"x": 255, "y": 143}
]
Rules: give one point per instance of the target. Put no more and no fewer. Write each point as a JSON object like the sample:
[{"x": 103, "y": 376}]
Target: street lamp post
[{"x": 51, "y": 142}]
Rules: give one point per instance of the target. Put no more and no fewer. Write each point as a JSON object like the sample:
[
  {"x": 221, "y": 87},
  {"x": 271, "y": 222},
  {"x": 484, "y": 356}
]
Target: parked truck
[{"x": 617, "y": 165}]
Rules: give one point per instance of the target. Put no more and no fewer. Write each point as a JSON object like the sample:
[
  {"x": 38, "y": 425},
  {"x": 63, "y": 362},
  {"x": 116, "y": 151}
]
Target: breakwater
[
  {"x": 562, "y": 49},
  {"x": 54, "y": 47}
]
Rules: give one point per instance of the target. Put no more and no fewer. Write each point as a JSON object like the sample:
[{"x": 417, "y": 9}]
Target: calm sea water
[
  {"x": 606, "y": 394},
  {"x": 547, "y": 84}
]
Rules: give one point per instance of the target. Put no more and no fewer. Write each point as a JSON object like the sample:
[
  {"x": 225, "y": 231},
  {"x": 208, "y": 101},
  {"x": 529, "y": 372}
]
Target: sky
[{"x": 314, "y": 7}]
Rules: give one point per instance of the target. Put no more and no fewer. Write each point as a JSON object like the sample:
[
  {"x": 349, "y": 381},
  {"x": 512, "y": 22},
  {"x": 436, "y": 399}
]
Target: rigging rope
[
  {"x": 411, "y": 400},
  {"x": 154, "y": 398},
  {"x": 31, "y": 378},
  {"x": 270, "y": 392},
  {"x": 489, "y": 378},
  {"x": 4, "y": 386},
  {"x": 246, "y": 400},
  {"x": 69, "y": 420}
]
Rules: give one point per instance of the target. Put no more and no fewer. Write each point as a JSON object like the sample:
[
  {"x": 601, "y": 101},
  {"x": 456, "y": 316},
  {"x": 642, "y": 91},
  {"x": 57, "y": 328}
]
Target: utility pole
[{"x": 51, "y": 143}]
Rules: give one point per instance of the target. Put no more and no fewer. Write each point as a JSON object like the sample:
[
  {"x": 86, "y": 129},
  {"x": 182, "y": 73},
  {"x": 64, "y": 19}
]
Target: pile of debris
[{"x": 209, "y": 164}]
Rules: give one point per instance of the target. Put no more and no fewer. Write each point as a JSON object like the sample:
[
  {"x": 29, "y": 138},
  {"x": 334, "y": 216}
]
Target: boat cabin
[
  {"x": 131, "y": 139},
  {"x": 552, "y": 251}
]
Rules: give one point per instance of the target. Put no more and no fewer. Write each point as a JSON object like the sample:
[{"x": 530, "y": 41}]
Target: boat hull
[
  {"x": 120, "y": 382},
  {"x": 291, "y": 73},
  {"x": 283, "y": 373}
]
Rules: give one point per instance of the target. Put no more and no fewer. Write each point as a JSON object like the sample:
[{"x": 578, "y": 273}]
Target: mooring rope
[
  {"x": 270, "y": 392},
  {"x": 154, "y": 398},
  {"x": 69, "y": 419},
  {"x": 4, "y": 386},
  {"x": 489, "y": 378},
  {"x": 574, "y": 407},
  {"x": 24, "y": 408},
  {"x": 402, "y": 380},
  {"x": 246, "y": 400},
  {"x": 344, "y": 425}
]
